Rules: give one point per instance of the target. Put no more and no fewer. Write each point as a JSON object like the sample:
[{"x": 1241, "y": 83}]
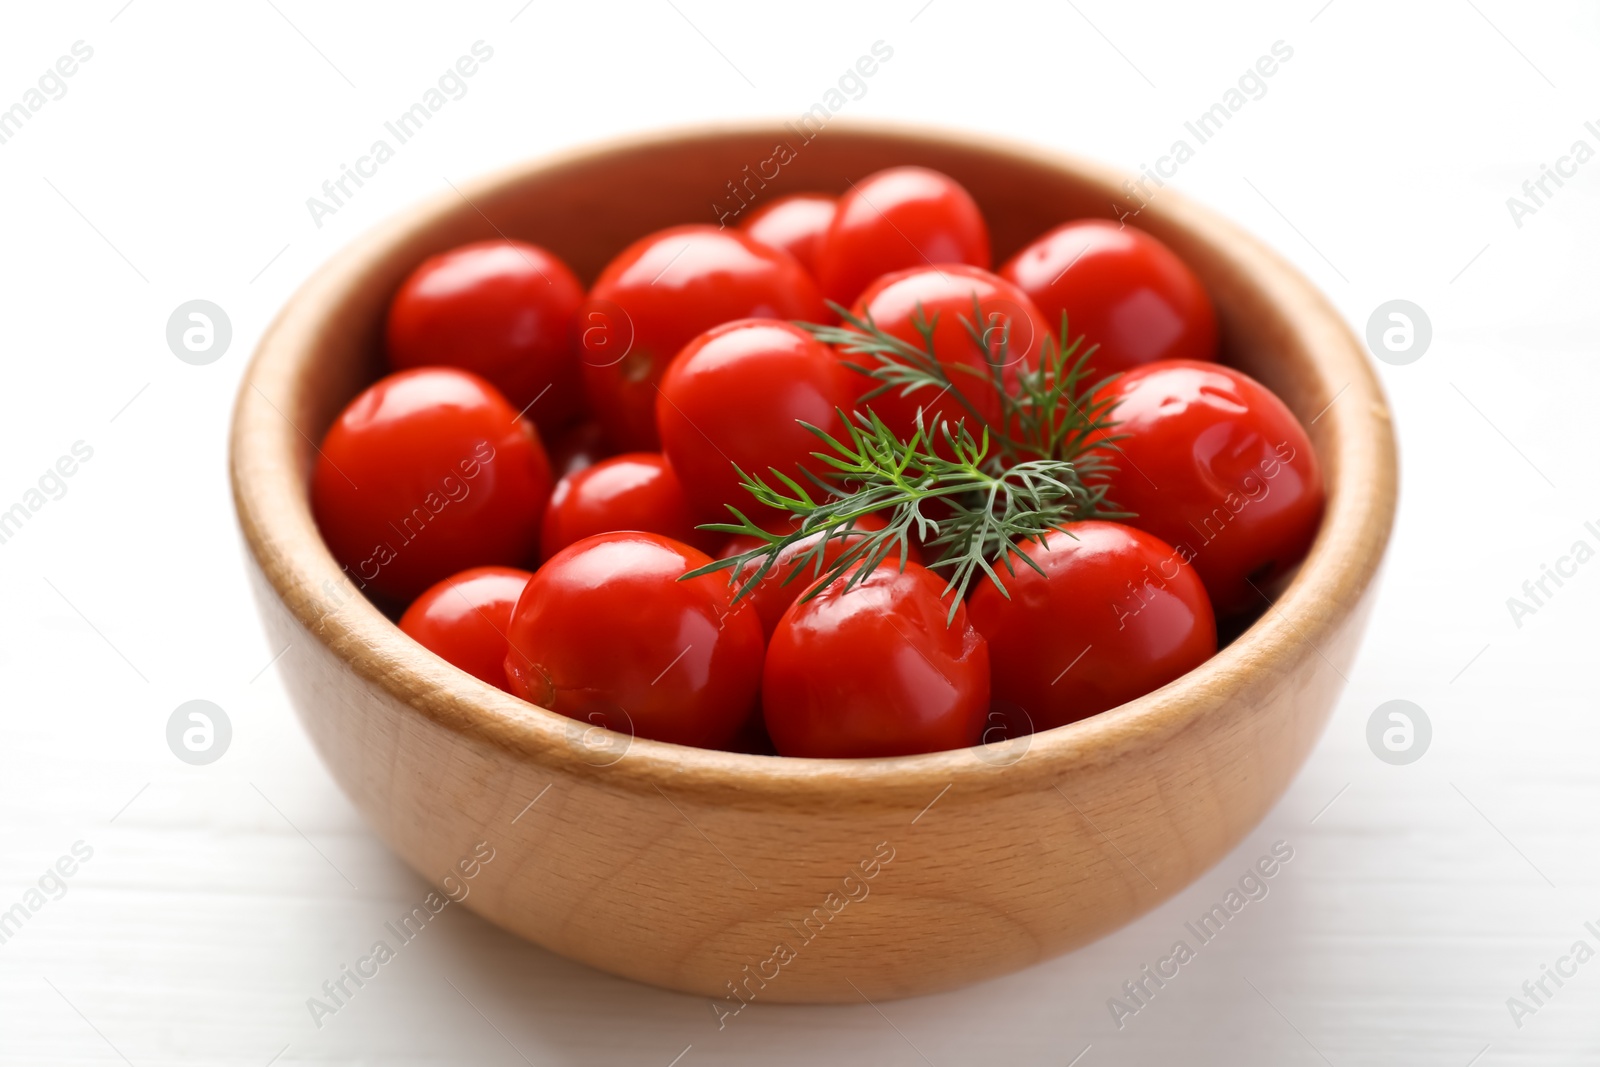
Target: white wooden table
[{"x": 175, "y": 162}]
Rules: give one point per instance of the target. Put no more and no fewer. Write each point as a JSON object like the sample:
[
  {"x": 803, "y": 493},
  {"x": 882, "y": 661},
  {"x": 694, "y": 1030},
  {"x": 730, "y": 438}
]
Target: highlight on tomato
[
  {"x": 505, "y": 310},
  {"x": 633, "y": 491},
  {"x": 465, "y": 618},
  {"x": 982, "y": 330},
  {"x": 793, "y": 572},
  {"x": 1122, "y": 290},
  {"x": 660, "y": 293},
  {"x": 1096, "y": 614},
  {"x": 894, "y": 219},
  {"x": 740, "y": 397},
  {"x": 794, "y": 223},
  {"x": 428, "y": 472},
  {"x": 878, "y": 668},
  {"x": 610, "y": 633},
  {"x": 1212, "y": 462}
]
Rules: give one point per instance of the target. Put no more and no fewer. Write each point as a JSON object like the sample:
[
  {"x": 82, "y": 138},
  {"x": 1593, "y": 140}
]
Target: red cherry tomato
[
  {"x": 777, "y": 590},
  {"x": 581, "y": 446},
  {"x": 894, "y": 219},
  {"x": 795, "y": 224},
  {"x": 426, "y": 473},
  {"x": 893, "y": 303},
  {"x": 737, "y": 395},
  {"x": 1121, "y": 289},
  {"x": 633, "y": 491},
  {"x": 1116, "y": 614},
  {"x": 662, "y": 292},
  {"x": 465, "y": 618},
  {"x": 875, "y": 671},
  {"x": 506, "y": 310},
  {"x": 1217, "y": 466},
  {"x": 606, "y": 633}
]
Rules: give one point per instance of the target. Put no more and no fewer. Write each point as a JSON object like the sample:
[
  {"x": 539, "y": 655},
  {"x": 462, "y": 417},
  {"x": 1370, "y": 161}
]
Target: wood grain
[{"x": 686, "y": 868}]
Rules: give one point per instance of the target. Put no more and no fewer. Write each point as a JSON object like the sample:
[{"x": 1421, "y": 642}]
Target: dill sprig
[
  {"x": 980, "y": 514},
  {"x": 1049, "y": 411},
  {"x": 995, "y": 485}
]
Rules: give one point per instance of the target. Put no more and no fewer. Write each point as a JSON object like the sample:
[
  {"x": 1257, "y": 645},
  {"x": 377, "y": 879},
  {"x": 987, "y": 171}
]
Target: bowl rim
[{"x": 272, "y": 505}]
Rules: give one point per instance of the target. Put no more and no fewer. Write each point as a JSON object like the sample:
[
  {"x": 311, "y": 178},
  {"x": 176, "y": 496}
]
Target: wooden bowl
[{"x": 751, "y": 878}]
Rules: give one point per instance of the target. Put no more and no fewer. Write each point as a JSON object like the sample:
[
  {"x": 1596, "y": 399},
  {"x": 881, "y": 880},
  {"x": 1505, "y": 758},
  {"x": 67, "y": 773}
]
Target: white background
[{"x": 219, "y": 898}]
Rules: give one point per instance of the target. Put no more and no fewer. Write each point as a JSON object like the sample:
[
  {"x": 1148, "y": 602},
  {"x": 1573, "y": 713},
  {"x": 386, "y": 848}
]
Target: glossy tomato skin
[
  {"x": 782, "y": 586},
  {"x": 1122, "y": 290},
  {"x": 505, "y": 310},
  {"x": 607, "y": 634},
  {"x": 662, "y": 292},
  {"x": 465, "y": 618},
  {"x": 633, "y": 491},
  {"x": 795, "y": 224},
  {"x": 895, "y": 219},
  {"x": 1116, "y": 614},
  {"x": 875, "y": 671},
  {"x": 1217, "y": 466},
  {"x": 736, "y": 397},
  {"x": 426, "y": 473},
  {"x": 947, "y": 292}
]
